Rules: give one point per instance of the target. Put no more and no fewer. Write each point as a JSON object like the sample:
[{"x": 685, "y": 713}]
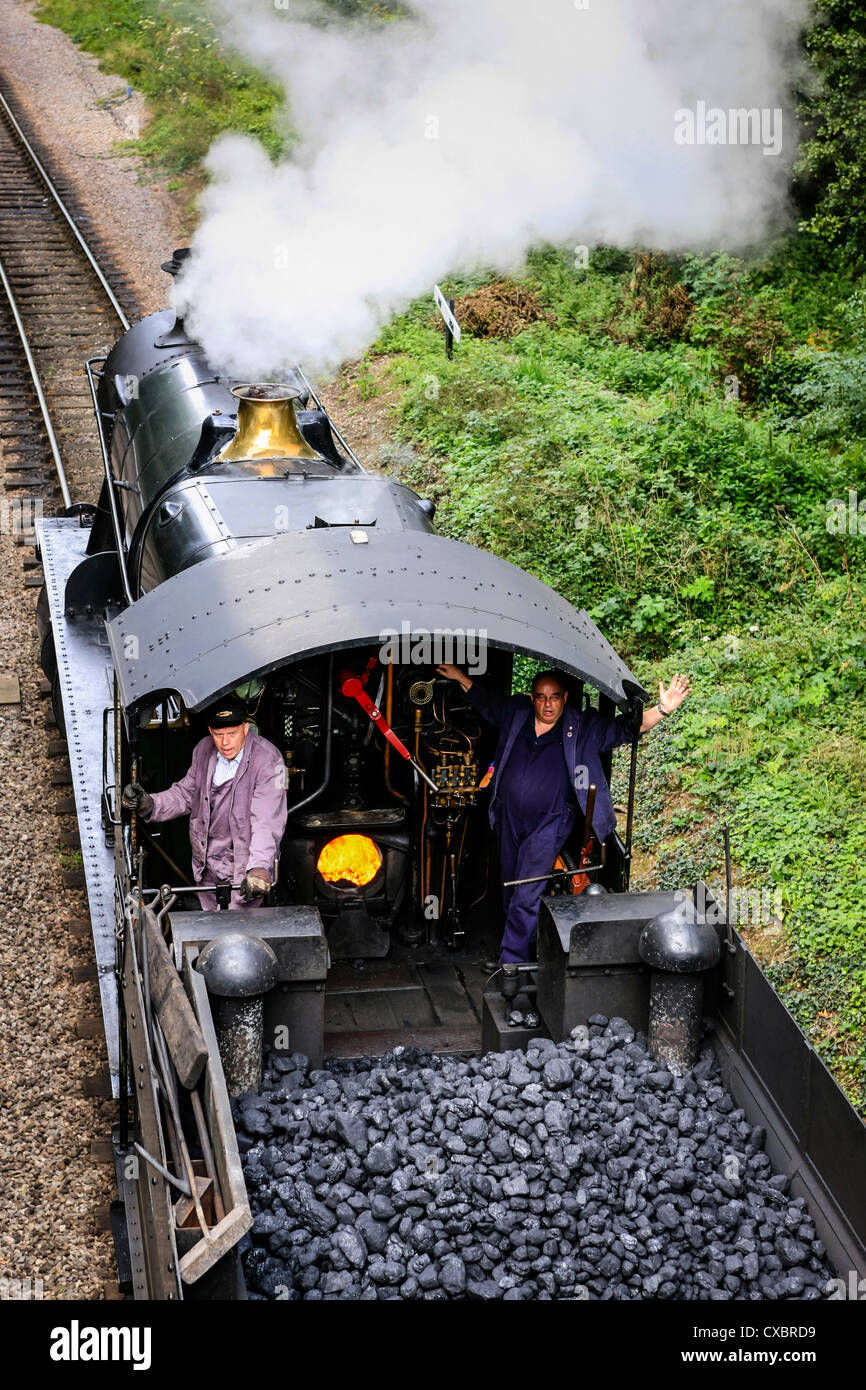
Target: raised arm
[
  {"x": 489, "y": 703},
  {"x": 612, "y": 731},
  {"x": 669, "y": 700}
]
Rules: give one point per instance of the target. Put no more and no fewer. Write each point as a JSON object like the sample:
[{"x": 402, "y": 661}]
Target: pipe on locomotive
[{"x": 326, "y": 776}]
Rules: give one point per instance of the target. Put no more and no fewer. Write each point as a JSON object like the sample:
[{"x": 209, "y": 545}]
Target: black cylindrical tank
[{"x": 193, "y": 478}]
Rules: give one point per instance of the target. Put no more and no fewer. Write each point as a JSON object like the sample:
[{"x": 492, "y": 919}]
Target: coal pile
[{"x": 578, "y": 1170}]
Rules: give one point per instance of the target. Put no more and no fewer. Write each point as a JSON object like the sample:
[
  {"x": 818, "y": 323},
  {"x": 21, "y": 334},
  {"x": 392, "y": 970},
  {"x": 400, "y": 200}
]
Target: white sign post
[{"x": 452, "y": 327}]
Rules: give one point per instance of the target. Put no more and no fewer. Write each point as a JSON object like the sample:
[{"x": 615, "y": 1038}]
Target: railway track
[
  {"x": 65, "y": 300},
  {"x": 62, "y": 299}
]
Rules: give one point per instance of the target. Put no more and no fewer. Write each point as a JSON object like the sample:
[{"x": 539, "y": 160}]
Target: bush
[
  {"x": 834, "y": 391},
  {"x": 744, "y": 331},
  {"x": 658, "y": 308},
  {"x": 824, "y": 389},
  {"x": 831, "y": 165},
  {"x": 711, "y": 277}
]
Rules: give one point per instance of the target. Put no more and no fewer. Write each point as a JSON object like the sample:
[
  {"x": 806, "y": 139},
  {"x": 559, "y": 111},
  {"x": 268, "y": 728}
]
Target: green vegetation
[
  {"x": 195, "y": 88},
  {"x": 832, "y": 160},
  {"x": 604, "y": 458},
  {"x": 678, "y": 446},
  {"x": 774, "y": 742}
]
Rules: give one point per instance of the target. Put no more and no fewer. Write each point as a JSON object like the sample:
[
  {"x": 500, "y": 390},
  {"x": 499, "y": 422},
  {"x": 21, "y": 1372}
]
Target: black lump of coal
[{"x": 567, "y": 1171}]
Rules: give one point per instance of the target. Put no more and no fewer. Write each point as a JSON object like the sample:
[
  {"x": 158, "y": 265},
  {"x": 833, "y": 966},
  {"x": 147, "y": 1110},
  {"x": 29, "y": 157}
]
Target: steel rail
[
  {"x": 37, "y": 386},
  {"x": 37, "y": 164},
  {"x": 73, "y": 226}
]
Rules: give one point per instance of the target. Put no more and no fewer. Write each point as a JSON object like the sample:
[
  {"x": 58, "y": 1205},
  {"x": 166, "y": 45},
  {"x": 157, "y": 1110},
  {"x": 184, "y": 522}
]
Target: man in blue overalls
[{"x": 547, "y": 757}]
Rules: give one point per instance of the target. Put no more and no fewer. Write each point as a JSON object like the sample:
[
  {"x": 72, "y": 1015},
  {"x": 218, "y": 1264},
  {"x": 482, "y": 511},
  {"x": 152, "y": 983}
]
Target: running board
[{"x": 85, "y": 678}]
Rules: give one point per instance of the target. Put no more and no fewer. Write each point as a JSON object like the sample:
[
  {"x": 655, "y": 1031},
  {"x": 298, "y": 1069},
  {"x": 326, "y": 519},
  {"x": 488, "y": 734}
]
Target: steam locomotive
[
  {"x": 243, "y": 550},
  {"x": 240, "y": 547}
]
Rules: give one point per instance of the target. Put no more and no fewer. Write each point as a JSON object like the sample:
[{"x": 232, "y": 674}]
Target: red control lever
[{"x": 352, "y": 687}]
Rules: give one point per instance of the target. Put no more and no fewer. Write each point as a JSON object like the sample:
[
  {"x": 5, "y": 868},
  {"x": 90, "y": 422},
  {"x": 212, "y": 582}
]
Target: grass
[{"x": 195, "y": 88}]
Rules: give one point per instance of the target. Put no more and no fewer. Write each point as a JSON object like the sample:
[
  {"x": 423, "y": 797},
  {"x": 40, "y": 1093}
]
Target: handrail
[
  {"x": 348, "y": 448},
  {"x": 109, "y": 478}
]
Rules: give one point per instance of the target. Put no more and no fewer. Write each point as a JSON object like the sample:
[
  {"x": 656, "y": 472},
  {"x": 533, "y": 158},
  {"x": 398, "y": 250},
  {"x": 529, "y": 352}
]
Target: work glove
[
  {"x": 255, "y": 882},
  {"x": 135, "y": 798}
]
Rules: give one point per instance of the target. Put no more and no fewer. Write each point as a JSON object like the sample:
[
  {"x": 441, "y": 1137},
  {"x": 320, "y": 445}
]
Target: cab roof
[{"x": 238, "y": 615}]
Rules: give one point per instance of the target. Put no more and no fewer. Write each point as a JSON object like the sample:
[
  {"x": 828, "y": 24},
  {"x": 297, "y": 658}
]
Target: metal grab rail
[
  {"x": 166, "y": 892},
  {"x": 108, "y": 803},
  {"x": 348, "y": 448},
  {"x": 109, "y": 478}
]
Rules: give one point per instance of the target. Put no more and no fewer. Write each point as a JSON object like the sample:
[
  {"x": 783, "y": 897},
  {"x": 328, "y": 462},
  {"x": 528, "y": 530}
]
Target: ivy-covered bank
[{"x": 677, "y": 444}]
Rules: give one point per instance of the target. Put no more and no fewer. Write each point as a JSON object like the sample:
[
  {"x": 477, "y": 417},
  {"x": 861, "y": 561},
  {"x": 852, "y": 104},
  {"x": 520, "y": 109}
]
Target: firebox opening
[{"x": 350, "y": 861}]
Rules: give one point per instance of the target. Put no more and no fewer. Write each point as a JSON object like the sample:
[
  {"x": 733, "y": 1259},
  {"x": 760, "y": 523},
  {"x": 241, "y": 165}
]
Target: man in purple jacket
[{"x": 235, "y": 797}]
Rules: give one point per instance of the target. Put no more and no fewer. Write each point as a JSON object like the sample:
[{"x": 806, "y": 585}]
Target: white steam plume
[{"x": 456, "y": 139}]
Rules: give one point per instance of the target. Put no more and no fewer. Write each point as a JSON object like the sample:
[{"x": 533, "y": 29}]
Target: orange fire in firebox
[{"x": 350, "y": 858}]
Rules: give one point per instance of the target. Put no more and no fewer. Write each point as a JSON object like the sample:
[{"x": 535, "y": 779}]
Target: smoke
[{"x": 456, "y": 139}]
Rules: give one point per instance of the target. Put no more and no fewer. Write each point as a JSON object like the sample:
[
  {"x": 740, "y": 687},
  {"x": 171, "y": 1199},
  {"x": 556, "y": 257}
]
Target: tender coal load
[{"x": 583, "y": 1170}]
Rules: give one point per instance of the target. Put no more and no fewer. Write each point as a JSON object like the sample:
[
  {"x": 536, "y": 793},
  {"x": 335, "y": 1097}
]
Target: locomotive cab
[
  {"x": 252, "y": 551},
  {"x": 389, "y": 849}
]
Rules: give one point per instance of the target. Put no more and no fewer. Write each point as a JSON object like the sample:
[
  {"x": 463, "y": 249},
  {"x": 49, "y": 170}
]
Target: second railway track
[{"x": 70, "y": 301}]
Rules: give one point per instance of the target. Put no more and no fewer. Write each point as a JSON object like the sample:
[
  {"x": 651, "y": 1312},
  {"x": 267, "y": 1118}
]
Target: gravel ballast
[
  {"x": 578, "y": 1170},
  {"x": 49, "y": 1185}
]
